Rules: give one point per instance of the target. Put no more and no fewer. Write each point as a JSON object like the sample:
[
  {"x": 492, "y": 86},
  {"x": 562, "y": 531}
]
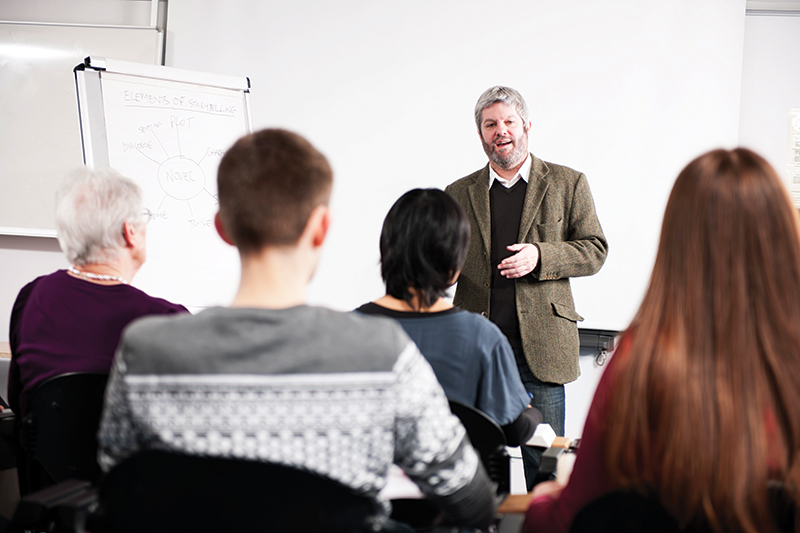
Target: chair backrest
[
  {"x": 58, "y": 434},
  {"x": 488, "y": 439},
  {"x": 624, "y": 512},
  {"x": 628, "y": 511},
  {"x": 159, "y": 491}
]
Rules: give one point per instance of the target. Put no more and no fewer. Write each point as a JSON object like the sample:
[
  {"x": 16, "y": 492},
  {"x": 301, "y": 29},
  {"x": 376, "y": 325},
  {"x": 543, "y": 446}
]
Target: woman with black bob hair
[{"x": 423, "y": 245}]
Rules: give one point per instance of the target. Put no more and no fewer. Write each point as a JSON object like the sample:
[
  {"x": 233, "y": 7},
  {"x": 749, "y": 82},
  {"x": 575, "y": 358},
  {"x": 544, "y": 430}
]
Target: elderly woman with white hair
[{"x": 72, "y": 320}]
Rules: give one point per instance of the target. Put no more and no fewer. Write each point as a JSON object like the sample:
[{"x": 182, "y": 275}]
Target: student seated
[
  {"x": 271, "y": 378},
  {"x": 71, "y": 320},
  {"x": 700, "y": 405},
  {"x": 423, "y": 245}
]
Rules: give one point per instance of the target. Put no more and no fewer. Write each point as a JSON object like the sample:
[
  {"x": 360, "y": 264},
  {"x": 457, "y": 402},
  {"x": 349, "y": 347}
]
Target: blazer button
[
  {"x": 487, "y": 285},
  {"x": 483, "y": 314}
]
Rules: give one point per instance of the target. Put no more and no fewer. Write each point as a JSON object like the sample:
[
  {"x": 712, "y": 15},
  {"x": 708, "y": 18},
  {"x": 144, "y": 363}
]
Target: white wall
[
  {"x": 770, "y": 84},
  {"x": 627, "y": 92}
]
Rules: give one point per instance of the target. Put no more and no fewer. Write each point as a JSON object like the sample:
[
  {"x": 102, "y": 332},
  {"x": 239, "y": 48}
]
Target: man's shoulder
[
  {"x": 462, "y": 184},
  {"x": 152, "y": 330},
  {"x": 353, "y": 327},
  {"x": 554, "y": 170},
  {"x": 263, "y": 340}
]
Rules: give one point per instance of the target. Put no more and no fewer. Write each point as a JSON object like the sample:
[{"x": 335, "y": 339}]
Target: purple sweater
[{"x": 62, "y": 324}]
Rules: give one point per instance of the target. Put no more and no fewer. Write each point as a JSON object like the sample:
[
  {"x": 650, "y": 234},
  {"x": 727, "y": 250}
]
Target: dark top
[
  {"x": 62, "y": 324},
  {"x": 506, "y": 211},
  {"x": 473, "y": 362}
]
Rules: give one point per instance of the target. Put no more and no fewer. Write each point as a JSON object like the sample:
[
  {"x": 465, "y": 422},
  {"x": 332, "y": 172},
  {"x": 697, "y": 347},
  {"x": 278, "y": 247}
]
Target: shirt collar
[{"x": 524, "y": 172}]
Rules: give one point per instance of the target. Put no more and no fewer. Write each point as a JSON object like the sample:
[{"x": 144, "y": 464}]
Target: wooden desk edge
[
  {"x": 561, "y": 442},
  {"x": 515, "y": 503}
]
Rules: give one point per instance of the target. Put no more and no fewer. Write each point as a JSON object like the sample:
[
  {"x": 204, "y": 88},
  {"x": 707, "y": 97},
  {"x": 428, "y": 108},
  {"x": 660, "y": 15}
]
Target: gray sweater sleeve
[
  {"x": 472, "y": 505},
  {"x": 117, "y": 436},
  {"x": 432, "y": 447}
]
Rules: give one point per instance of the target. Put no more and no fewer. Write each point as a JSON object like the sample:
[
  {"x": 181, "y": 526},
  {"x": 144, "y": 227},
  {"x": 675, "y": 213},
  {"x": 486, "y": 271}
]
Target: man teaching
[{"x": 533, "y": 227}]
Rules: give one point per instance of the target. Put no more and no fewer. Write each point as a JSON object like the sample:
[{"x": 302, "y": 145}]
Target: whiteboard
[
  {"x": 167, "y": 129},
  {"x": 39, "y": 132}
]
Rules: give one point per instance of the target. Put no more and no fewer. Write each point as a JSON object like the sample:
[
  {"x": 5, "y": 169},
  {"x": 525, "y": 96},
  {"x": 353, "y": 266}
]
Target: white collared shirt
[{"x": 523, "y": 173}]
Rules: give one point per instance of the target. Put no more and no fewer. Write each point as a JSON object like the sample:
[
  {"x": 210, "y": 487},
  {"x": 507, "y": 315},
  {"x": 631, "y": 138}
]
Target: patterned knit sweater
[{"x": 337, "y": 394}]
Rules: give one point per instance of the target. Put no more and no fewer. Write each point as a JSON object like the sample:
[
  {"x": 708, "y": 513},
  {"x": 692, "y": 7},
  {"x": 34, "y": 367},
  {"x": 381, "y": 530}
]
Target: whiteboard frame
[{"x": 89, "y": 87}]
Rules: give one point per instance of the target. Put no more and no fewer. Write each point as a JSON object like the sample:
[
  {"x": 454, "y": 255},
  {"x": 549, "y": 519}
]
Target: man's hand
[{"x": 521, "y": 263}]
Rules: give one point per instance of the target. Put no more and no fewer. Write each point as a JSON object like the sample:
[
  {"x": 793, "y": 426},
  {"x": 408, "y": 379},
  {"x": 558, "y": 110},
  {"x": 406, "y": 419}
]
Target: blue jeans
[{"x": 549, "y": 398}]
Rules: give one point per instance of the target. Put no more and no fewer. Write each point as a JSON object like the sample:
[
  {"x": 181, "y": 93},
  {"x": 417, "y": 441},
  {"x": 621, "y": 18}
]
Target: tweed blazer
[{"x": 559, "y": 217}]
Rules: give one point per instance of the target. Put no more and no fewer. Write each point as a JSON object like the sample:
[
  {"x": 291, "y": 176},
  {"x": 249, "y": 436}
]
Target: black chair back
[
  {"x": 488, "y": 439},
  {"x": 624, "y": 512},
  {"x": 58, "y": 433},
  {"x": 628, "y": 511},
  {"x": 159, "y": 491}
]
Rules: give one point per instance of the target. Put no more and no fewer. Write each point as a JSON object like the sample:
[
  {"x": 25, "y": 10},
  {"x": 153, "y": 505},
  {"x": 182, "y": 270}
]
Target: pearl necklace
[{"x": 98, "y": 277}]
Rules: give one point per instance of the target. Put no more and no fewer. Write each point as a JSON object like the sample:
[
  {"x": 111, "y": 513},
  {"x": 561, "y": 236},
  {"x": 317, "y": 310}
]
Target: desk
[{"x": 512, "y": 511}]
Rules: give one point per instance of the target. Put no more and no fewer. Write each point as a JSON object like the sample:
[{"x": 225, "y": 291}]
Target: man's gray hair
[
  {"x": 92, "y": 207},
  {"x": 506, "y": 95}
]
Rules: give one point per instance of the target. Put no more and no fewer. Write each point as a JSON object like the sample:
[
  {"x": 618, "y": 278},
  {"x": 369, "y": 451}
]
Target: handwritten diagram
[
  {"x": 173, "y": 142},
  {"x": 169, "y": 137},
  {"x": 187, "y": 190}
]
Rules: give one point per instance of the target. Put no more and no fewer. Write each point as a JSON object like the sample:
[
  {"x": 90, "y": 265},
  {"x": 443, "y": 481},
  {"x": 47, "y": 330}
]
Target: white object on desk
[
  {"x": 564, "y": 467},
  {"x": 399, "y": 486},
  {"x": 543, "y": 437}
]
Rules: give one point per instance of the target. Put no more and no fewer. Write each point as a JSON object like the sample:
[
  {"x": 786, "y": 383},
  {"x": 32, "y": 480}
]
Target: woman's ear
[{"x": 129, "y": 234}]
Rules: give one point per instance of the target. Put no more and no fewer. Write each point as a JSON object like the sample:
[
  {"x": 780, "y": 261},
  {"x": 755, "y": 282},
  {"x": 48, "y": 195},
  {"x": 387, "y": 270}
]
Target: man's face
[{"x": 504, "y": 136}]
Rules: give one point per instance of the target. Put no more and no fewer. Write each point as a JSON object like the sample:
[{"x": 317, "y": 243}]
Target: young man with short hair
[{"x": 273, "y": 379}]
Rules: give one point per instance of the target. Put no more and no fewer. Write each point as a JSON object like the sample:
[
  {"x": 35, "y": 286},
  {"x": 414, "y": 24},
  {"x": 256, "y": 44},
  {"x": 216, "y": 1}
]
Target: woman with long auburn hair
[{"x": 700, "y": 406}]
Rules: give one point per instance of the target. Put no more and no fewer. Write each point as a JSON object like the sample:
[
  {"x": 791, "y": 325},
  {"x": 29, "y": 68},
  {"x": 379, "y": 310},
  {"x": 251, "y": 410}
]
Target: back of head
[
  {"x": 707, "y": 406},
  {"x": 424, "y": 243},
  {"x": 506, "y": 95},
  {"x": 269, "y": 183},
  {"x": 91, "y": 208}
]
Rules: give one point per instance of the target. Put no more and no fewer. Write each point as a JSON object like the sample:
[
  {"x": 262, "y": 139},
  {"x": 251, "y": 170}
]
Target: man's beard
[{"x": 511, "y": 160}]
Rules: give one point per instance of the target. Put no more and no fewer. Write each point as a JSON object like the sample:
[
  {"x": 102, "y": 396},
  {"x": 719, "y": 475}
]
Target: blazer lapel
[
  {"x": 534, "y": 194},
  {"x": 479, "y": 197}
]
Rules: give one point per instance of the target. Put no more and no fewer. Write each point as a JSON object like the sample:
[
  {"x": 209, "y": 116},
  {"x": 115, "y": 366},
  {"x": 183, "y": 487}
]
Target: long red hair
[{"x": 706, "y": 405}]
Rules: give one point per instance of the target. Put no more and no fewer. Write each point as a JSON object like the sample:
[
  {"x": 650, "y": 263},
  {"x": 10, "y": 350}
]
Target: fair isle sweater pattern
[{"x": 348, "y": 426}]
